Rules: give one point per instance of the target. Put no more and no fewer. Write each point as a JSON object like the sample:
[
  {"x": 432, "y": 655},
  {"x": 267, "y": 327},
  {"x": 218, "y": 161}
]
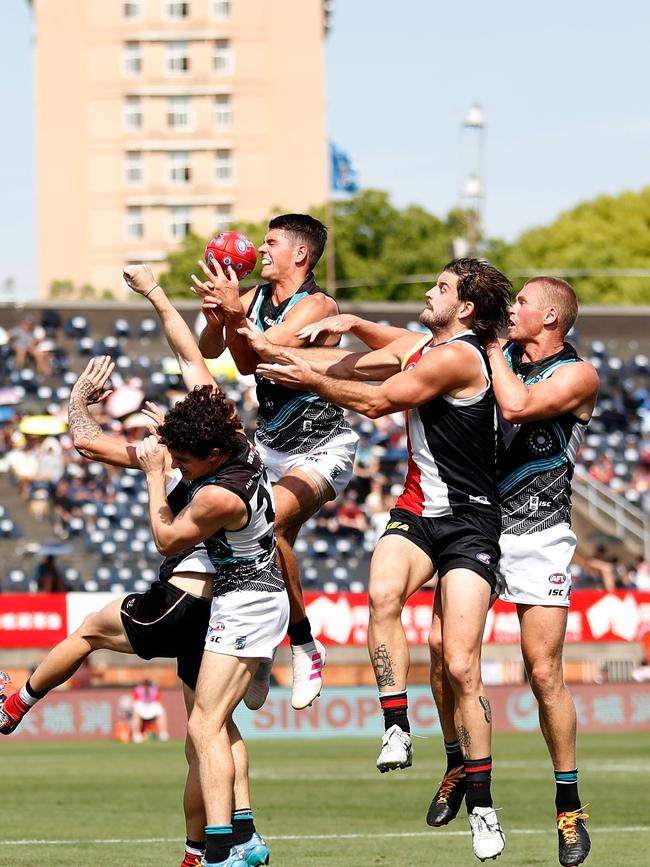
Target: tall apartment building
[{"x": 157, "y": 117}]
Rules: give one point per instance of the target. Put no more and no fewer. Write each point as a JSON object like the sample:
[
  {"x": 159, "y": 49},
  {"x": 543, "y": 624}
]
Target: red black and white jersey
[{"x": 451, "y": 446}]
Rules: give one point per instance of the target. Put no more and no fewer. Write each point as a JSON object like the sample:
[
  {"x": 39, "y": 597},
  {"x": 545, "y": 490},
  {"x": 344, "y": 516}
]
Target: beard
[{"x": 437, "y": 320}]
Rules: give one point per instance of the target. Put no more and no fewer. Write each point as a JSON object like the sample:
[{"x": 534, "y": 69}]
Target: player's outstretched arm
[
  {"x": 444, "y": 368},
  {"x": 181, "y": 341},
  {"x": 328, "y": 360},
  {"x": 374, "y": 334},
  {"x": 225, "y": 296},
  {"x": 572, "y": 388}
]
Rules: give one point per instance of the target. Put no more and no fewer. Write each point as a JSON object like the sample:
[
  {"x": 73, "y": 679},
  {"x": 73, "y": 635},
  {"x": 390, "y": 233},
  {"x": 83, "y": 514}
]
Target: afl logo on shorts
[
  {"x": 219, "y": 626},
  {"x": 484, "y": 558},
  {"x": 557, "y": 578}
]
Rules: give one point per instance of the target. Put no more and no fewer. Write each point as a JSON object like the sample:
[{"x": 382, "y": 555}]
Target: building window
[
  {"x": 134, "y": 226},
  {"x": 178, "y": 57},
  {"x": 175, "y": 9},
  {"x": 223, "y": 166},
  {"x": 223, "y": 217},
  {"x": 221, "y": 8},
  {"x": 179, "y": 112},
  {"x": 132, "y": 58},
  {"x": 222, "y": 111},
  {"x": 133, "y": 112},
  {"x": 222, "y": 57},
  {"x": 133, "y": 167},
  {"x": 180, "y": 171},
  {"x": 180, "y": 224},
  {"x": 132, "y": 9}
]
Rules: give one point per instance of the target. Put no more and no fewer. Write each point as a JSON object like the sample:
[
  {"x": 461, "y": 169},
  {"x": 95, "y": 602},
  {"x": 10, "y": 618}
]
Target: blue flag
[{"x": 344, "y": 177}]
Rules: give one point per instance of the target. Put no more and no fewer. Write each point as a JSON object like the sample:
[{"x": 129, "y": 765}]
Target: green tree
[{"x": 609, "y": 233}]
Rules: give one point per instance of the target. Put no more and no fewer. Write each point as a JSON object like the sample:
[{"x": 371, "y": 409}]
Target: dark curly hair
[
  {"x": 202, "y": 421},
  {"x": 488, "y": 289}
]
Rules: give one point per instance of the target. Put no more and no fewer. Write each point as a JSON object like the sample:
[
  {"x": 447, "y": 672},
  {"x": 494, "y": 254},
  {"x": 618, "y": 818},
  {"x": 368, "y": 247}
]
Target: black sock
[
  {"x": 300, "y": 632},
  {"x": 395, "y": 708},
  {"x": 219, "y": 842},
  {"x": 197, "y": 846},
  {"x": 454, "y": 755},
  {"x": 566, "y": 791},
  {"x": 479, "y": 780},
  {"x": 243, "y": 826},
  {"x": 37, "y": 695}
]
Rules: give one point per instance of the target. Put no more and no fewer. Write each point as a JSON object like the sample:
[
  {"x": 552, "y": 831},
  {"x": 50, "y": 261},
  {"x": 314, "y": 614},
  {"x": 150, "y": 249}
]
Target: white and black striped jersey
[
  {"x": 244, "y": 559},
  {"x": 451, "y": 447},
  {"x": 289, "y": 420},
  {"x": 537, "y": 458}
]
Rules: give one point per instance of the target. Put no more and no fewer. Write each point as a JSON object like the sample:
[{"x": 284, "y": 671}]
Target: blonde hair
[{"x": 559, "y": 294}]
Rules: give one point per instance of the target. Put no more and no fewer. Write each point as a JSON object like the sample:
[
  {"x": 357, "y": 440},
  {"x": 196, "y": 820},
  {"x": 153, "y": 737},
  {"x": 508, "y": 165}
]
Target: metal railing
[{"x": 611, "y": 513}]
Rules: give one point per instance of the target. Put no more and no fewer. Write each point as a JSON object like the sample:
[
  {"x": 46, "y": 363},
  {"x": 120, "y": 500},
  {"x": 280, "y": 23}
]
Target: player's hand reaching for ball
[
  {"x": 151, "y": 455},
  {"x": 339, "y": 324},
  {"x": 220, "y": 290},
  {"x": 90, "y": 385},
  {"x": 140, "y": 279}
]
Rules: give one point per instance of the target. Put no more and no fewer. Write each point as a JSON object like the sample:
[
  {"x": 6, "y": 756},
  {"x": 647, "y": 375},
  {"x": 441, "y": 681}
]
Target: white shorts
[
  {"x": 248, "y": 623},
  {"x": 147, "y": 709},
  {"x": 333, "y": 461},
  {"x": 534, "y": 568}
]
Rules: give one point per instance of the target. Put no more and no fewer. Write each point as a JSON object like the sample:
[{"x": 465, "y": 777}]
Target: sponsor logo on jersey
[
  {"x": 398, "y": 525},
  {"x": 557, "y": 578},
  {"x": 240, "y": 642},
  {"x": 484, "y": 558}
]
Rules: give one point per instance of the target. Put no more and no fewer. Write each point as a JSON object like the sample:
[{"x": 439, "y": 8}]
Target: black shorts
[
  {"x": 166, "y": 621},
  {"x": 452, "y": 542}
]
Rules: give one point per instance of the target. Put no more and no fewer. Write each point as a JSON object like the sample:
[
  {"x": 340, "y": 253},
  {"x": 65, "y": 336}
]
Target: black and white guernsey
[
  {"x": 289, "y": 420},
  {"x": 538, "y": 457}
]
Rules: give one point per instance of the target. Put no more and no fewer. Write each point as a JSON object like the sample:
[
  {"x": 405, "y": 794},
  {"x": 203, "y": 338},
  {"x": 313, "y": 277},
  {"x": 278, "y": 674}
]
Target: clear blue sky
[{"x": 564, "y": 87}]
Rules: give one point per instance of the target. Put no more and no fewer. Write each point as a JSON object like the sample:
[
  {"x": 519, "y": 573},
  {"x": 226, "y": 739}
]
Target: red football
[{"x": 232, "y": 249}]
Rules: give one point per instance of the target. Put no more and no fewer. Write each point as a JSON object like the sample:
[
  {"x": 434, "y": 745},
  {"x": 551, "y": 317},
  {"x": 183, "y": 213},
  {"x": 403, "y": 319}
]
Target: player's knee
[
  {"x": 435, "y": 645},
  {"x": 385, "y": 602},
  {"x": 463, "y": 671},
  {"x": 546, "y": 678},
  {"x": 91, "y": 629}
]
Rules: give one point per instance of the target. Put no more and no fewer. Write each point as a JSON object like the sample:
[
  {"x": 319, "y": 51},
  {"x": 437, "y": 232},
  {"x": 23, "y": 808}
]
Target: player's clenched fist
[{"x": 151, "y": 455}]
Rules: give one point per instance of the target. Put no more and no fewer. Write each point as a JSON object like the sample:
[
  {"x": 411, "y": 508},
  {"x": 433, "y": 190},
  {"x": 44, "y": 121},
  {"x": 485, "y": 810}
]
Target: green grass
[{"x": 320, "y": 803}]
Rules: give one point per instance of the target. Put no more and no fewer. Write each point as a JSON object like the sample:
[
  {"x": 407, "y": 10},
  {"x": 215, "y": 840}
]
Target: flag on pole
[{"x": 344, "y": 177}]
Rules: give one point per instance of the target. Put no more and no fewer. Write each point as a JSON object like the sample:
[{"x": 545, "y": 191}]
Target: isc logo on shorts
[{"x": 397, "y": 525}]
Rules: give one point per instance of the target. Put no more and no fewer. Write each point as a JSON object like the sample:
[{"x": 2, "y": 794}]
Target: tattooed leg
[{"x": 383, "y": 665}]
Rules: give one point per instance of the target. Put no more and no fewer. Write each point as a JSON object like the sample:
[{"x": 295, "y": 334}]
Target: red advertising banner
[
  {"x": 32, "y": 620},
  {"x": 593, "y": 616},
  {"x": 41, "y": 620}
]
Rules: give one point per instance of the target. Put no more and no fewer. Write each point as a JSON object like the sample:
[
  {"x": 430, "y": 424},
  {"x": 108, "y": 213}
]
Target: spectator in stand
[
  {"x": 603, "y": 470},
  {"x": 23, "y": 343},
  {"x": 352, "y": 520},
  {"x": 48, "y": 578}
]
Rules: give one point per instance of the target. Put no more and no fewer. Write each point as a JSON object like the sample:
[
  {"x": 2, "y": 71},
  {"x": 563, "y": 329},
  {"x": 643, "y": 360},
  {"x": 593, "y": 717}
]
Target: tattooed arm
[{"x": 87, "y": 436}]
